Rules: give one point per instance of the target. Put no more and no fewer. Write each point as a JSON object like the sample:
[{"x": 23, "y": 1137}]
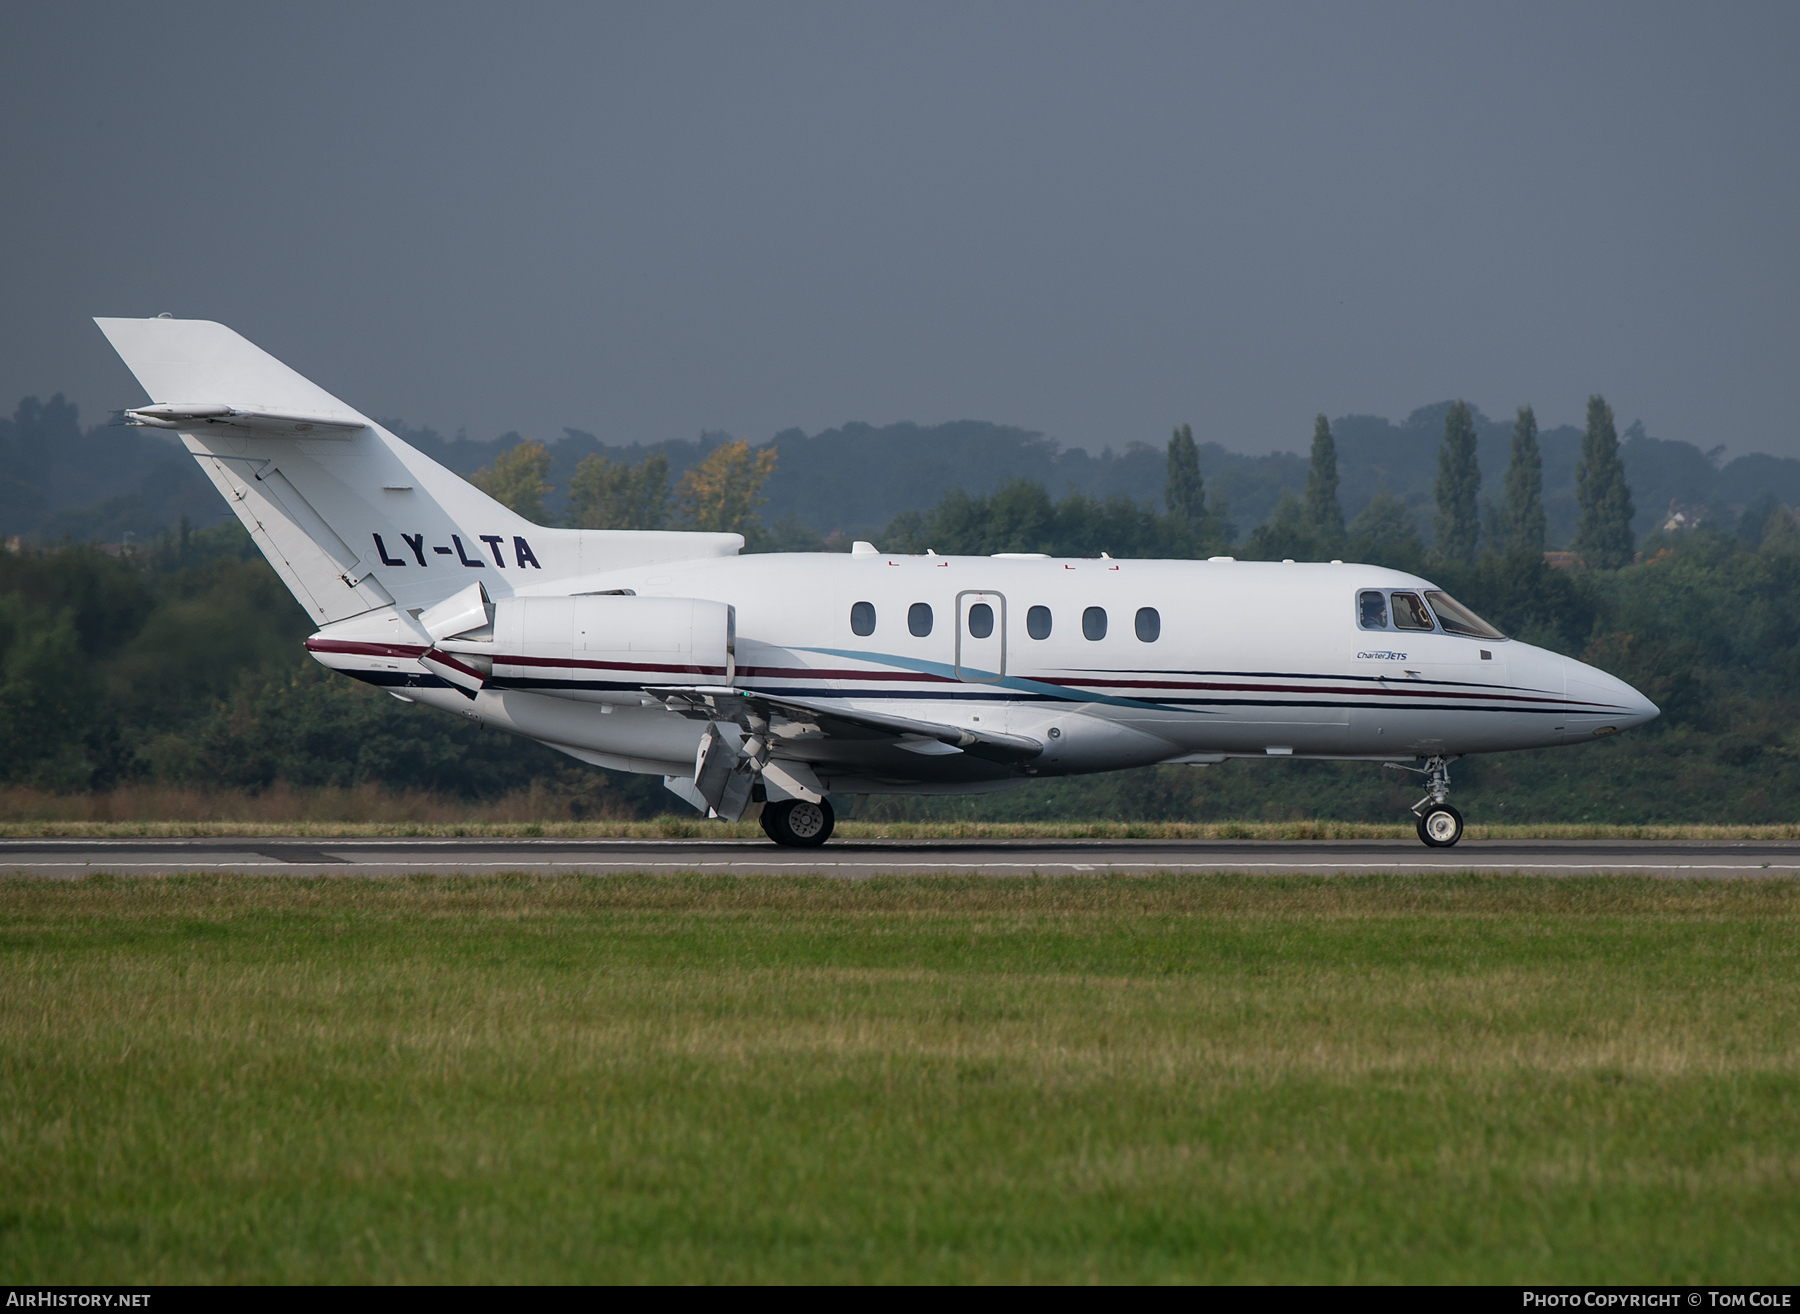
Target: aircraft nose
[{"x": 1601, "y": 704}]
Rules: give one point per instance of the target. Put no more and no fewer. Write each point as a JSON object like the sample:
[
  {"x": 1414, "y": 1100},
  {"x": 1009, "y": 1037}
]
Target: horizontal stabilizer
[{"x": 198, "y": 417}]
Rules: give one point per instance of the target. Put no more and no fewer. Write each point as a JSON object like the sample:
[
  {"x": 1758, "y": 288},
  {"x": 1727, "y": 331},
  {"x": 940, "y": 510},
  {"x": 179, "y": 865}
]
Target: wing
[{"x": 816, "y": 731}]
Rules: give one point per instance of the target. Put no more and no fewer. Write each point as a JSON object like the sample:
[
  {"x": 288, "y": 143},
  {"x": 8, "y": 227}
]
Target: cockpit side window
[
  {"x": 1458, "y": 619},
  {"x": 1410, "y": 613},
  {"x": 1371, "y": 609}
]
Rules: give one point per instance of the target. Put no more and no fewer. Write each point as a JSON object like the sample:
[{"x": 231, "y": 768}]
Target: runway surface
[{"x": 864, "y": 858}]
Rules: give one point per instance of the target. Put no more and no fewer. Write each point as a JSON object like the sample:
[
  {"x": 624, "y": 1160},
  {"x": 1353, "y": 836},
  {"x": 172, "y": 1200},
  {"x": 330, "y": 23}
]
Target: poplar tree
[
  {"x": 1324, "y": 517},
  {"x": 1458, "y": 487},
  {"x": 1185, "y": 493},
  {"x": 1523, "y": 518},
  {"x": 1603, "y": 538}
]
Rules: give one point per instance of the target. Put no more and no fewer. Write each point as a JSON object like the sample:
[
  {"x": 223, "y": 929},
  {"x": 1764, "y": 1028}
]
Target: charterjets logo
[
  {"x": 1382, "y": 655},
  {"x": 522, "y": 555}
]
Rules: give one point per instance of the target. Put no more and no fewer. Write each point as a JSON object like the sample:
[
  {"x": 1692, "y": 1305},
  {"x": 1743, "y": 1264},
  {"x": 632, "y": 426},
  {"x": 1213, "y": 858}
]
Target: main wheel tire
[
  {"x": 1440, "y": 825},
  {"x": 797, "y": 824}
]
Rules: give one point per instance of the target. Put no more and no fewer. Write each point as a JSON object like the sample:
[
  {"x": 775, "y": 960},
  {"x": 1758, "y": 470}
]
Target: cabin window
[
  {"x": 1458, "y": 619},
  {"x": 1149, "y": 624},
  {"x": 1410, "y": 613},
  {"x": 981, "y": 621},
  {"x": 1371, "y": 609},
  {"x": 862, "y": 618},
  {"x": 1093, "y": 623},
  {"x": 1037, "y": 622},
  {"x": 918, "y": 619}
]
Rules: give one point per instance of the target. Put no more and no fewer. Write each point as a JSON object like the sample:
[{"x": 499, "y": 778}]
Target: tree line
[
  {"x": 722, "y": 494},
  {"x": 120, "y": 485},
  {"x": 182, "y": 663},
  {"x": 1312, "y": 528},
  {"x": 725, "y": 492}
]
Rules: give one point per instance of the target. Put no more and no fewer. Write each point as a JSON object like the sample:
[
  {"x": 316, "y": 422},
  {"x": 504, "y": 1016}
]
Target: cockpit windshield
[
  {"x": 1458, "y": 619},
  {"x": 1410, "y": 613}
]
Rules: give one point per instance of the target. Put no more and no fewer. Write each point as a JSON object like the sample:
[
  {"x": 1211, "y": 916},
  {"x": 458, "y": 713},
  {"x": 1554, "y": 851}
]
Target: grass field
[{"x": 685, "y": 1079}]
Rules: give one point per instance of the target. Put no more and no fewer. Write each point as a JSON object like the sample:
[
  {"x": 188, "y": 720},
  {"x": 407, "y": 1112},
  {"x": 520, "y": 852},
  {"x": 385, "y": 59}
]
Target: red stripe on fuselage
[
  {"x": 360, "y": 649},
  {"x": 446, "y": 659},
  {"x": 1372, "y": 689},
  {"x": 411, "y": 650}
]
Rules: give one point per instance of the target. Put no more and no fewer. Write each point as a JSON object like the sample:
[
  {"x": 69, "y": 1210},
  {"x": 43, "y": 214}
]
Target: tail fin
[{"x": 351, "y": 517}]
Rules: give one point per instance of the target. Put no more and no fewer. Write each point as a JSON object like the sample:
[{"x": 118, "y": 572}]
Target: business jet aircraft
[{"x": 758, "y": 685}]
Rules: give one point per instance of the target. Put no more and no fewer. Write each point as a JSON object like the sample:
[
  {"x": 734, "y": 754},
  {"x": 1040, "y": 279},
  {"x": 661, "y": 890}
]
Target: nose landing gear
[{"x": 1440, "y": 825}]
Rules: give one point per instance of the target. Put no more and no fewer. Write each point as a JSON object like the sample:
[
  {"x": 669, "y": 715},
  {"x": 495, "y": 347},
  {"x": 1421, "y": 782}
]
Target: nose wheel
[{"x": 1440, "y": 825}]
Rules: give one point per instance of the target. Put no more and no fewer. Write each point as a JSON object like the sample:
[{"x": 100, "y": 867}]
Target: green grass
[{"x": 685, "y": 1079}]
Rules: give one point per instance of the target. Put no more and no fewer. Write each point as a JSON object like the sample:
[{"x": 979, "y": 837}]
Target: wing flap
[{"x": 722, "y": 703}]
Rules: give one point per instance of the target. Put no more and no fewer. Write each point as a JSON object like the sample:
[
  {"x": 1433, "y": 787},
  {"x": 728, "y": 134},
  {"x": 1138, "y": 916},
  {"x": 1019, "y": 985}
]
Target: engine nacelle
[{"x": 602, "y": 648}]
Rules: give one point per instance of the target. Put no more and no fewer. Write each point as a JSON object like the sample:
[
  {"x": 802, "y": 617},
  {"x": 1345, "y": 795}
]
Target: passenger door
[{"x": 980, "y": 636}]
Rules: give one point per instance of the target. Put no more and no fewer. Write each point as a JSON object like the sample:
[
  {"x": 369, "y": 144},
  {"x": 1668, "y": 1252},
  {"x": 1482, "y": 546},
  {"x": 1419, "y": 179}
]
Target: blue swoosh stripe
[{"x": 1035, "y": 688}]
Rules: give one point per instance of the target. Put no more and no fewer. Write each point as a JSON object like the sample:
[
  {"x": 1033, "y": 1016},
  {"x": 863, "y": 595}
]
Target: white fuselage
[
  {"x": 1246, "y": 659},
  {"x": 858, "y": 673}
]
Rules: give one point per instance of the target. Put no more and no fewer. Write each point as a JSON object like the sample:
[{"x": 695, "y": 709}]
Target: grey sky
[{"x": 1093, "y": 220}]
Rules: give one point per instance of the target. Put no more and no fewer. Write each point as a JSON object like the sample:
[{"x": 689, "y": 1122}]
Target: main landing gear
[
  {"x": 1440, "y": 825},
  {"x": 797, "y": 824}
]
